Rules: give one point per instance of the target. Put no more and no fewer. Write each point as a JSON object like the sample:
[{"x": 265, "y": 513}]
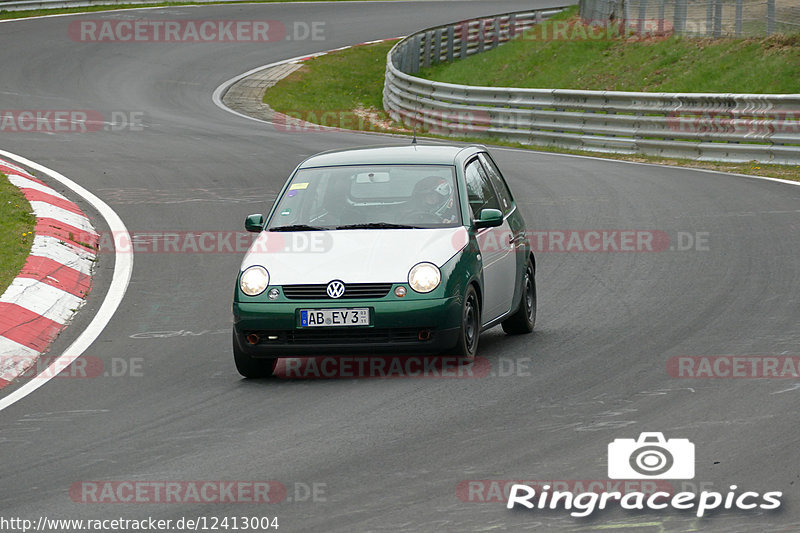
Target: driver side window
[{"x": 480, "y": 192}]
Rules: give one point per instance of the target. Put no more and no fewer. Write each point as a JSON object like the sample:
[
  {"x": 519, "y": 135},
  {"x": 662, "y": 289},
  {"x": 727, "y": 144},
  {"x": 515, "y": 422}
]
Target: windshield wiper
[
  {"x": 377, "y": 225},
  {"x": 297, "y": 227}
]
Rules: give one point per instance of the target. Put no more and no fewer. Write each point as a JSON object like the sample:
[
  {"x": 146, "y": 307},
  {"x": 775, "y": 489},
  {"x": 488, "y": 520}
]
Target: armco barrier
[{"x": 713, "y": 127}]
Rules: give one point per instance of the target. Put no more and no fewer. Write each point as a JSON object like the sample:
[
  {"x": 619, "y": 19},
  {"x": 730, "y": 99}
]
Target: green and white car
[{"x": 407, "y": 250}]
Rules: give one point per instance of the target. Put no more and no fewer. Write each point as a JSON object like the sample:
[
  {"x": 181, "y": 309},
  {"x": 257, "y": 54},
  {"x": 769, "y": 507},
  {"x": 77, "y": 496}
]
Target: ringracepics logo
[{"x": 650, "y": 456}]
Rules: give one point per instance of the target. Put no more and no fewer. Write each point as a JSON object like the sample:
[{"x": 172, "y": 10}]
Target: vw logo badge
[{"x": 335, "y": 289}]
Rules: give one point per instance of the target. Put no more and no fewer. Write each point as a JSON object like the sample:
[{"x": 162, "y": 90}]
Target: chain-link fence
[{"x": 700, "y": 17}]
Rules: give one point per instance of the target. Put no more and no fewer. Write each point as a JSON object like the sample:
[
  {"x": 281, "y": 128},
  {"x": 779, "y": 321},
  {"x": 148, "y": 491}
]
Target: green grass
[
  {"x": 88, "y": 9},
  {"x": 336, "y": 89},
  {"x": 673, "y": 64},
  {"x": 349, "y": 80},
  {"x": 16, "y": 231}
]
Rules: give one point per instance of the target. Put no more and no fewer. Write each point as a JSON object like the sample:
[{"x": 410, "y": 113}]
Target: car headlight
[
  {"x": 424, "y": 277},
  {"x": 254, "y": 280}
]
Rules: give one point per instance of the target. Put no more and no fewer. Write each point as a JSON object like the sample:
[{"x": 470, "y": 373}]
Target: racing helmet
[{"x": 434, "y": 194}]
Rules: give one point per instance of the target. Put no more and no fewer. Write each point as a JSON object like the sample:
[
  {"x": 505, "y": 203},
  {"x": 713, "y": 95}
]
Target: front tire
[
  {"x": 251, "y": 367},
  {"x": 470, "y": 331},
  {"x": 524, "y": 318}
]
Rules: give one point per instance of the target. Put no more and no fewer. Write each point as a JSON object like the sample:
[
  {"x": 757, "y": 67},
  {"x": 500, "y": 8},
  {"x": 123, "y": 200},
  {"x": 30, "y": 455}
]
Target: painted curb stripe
[
  {"x": 9, "y": 168},
  {"x": 10, "y": 349},
  {"x": 50, "y": 227},
  {"x": 39, "y": 196},
  {"x": 82, "y": 261},
  {"x": 62, "y": 252},
  {"x": 26, "y": 182},
  {"x": 26, "y": 327},
  {"x": 43, "y": 299},
  {"x": 56, "y": 275},
  {"x": 53, "y": 282},
  {"x": 44, "y": 209}
]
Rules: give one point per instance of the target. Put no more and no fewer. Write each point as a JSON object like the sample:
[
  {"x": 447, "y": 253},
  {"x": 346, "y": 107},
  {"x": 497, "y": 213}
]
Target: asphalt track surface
[{"x": 389, "y": 453}]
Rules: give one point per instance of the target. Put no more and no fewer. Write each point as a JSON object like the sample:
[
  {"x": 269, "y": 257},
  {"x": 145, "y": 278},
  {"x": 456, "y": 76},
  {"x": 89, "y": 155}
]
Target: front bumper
[{"x": 410, "y": 327}]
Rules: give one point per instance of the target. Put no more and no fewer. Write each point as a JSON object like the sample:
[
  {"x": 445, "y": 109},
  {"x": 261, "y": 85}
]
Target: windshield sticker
[{"x": 298, "y": 186}]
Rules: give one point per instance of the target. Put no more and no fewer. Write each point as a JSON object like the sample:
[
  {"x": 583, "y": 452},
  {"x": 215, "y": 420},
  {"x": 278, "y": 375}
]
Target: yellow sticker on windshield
[{"x": 298, "y": 186}]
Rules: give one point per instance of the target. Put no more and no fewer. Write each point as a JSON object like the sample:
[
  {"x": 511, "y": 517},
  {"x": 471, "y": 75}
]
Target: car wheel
[
  {"x": 467, "y": 345},
  {"x": 251, "y": 367},
  {"x": 524, "y": 318}
]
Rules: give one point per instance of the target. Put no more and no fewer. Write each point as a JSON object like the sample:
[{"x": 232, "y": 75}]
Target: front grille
[
  {"x": 351, "y": 291},
  {"x": 352, "y": 335}
]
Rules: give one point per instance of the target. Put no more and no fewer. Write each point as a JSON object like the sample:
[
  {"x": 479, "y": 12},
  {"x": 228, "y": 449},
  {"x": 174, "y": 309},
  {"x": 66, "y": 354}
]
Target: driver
[{"x": 433, "y": 195}]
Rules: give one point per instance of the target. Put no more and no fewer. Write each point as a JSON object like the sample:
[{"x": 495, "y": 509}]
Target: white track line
[{"x": 123, "y": 268}]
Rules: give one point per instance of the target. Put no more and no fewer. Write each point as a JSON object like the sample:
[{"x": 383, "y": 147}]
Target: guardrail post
[
  {"x": 770, "y": 17},
  {"x": 426, "y": 50},
  {"x": 679, "y": 22},
  {"x": 415, "y": 49},
  {"x": 404, "y": 60},
  {"x": 626, "y": 17},
  {"x": 709, "y": 16},
  {"x": 512, "y": 26},
  {"x": 717, "y": 18},
  {"x": 437, "y": 46},
  {"x": 642, "y": 16},
  {"x": 739, "y": 18},
  {"x": 464, "y": 39},
  {"x": 496, "y": 40},
  {"x": 661, "y": 7},
  {"x": 481, "y": 36},
  {"x": 451, "y": 32}
]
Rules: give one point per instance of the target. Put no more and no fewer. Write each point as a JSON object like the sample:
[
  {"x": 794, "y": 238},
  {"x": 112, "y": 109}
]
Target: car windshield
[{"x": 369, "y": 197}]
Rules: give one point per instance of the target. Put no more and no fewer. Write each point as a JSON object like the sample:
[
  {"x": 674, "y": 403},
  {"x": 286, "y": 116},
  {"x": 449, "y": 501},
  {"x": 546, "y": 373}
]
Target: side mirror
[
  {"x": 254, "y": 223},
  {"x": 490, "y": 218}
]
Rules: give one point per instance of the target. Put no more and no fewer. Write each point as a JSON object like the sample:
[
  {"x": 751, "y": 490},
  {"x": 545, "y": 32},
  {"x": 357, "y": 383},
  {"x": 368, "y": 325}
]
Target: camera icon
[{"x": 651, "y": 457}]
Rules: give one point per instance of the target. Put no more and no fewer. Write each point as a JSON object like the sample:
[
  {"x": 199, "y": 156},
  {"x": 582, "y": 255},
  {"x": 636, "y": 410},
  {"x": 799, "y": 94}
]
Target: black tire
[
  {"x": 251, "y": 367},
  {"x": 524, "y": 318},
  {"x": 470, "y": 331}
]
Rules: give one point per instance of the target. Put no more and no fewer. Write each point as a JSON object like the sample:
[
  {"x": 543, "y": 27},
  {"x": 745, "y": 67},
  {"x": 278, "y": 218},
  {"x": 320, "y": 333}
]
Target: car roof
[{"x": 414, "y": 154}]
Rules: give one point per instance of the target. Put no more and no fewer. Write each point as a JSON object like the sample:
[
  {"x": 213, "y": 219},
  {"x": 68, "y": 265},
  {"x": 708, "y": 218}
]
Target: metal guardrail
[{"x": 713, "y": 127}]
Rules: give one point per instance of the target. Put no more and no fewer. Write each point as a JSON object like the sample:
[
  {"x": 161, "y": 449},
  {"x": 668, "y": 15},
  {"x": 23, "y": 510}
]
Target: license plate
[{"x": 310, "y": 318}]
